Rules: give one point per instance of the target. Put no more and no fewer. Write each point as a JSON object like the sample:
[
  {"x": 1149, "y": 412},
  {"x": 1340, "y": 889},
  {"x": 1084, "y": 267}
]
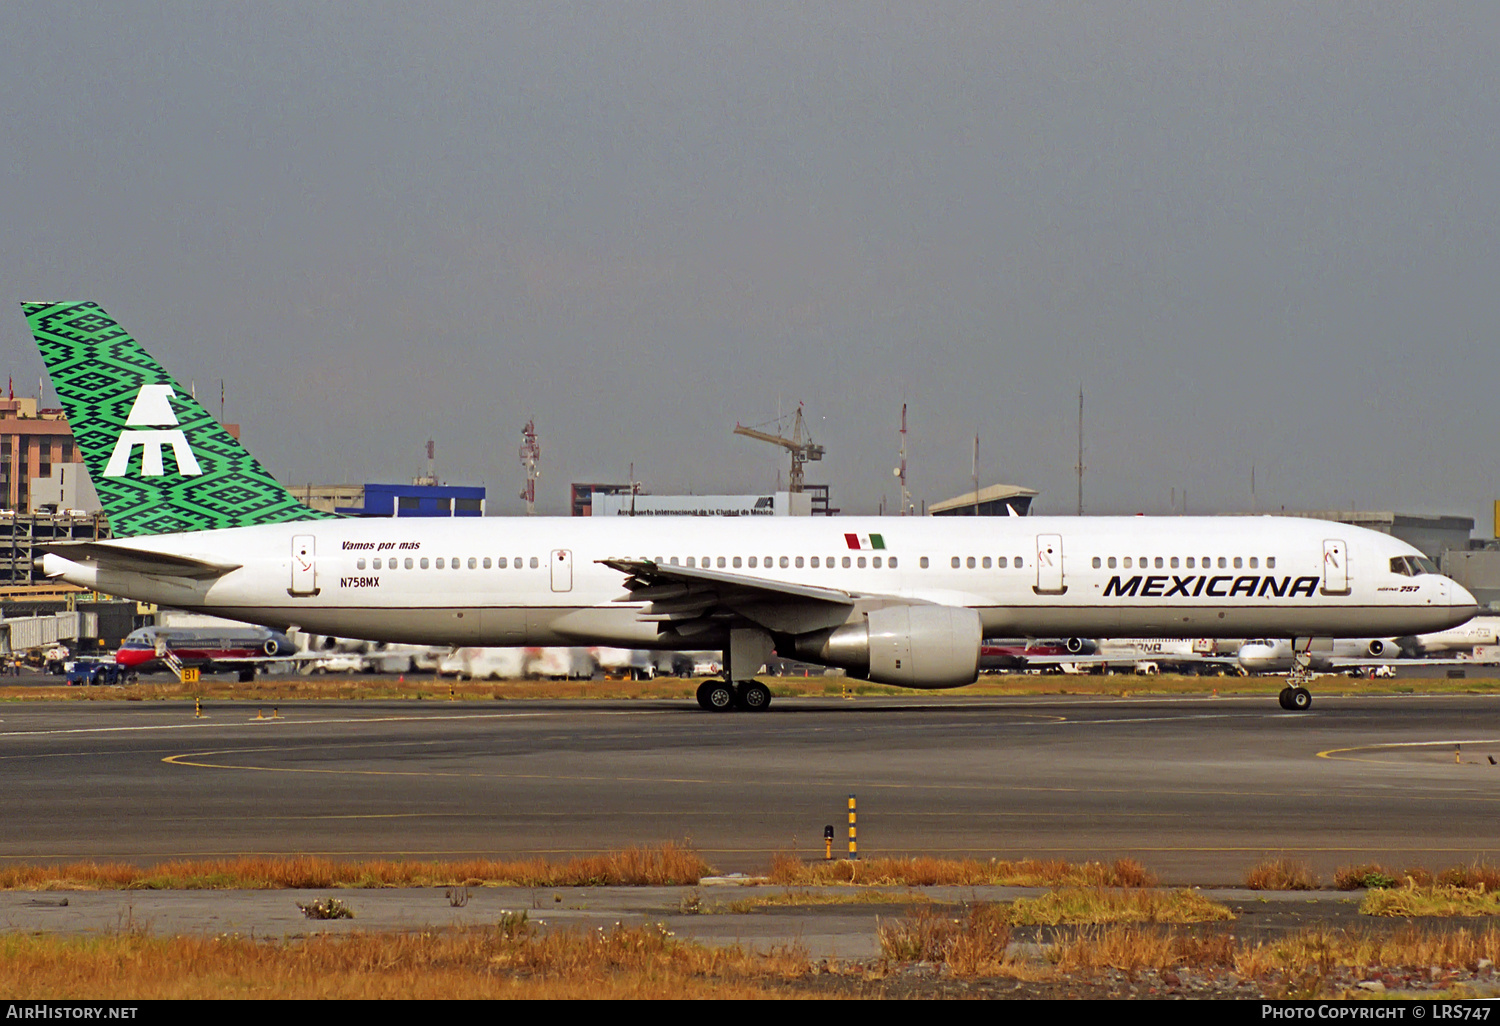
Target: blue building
[{"x": 414, "y": 500}]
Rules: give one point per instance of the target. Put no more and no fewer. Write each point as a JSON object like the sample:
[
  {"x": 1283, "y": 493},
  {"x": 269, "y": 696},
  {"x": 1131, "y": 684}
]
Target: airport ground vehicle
[
  {"x": 901, "y": 601},
  {"x": 95, "y": 672}
]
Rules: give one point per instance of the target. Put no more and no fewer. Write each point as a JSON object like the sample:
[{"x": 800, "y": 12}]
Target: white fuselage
[{"x": 537, "y": 581}]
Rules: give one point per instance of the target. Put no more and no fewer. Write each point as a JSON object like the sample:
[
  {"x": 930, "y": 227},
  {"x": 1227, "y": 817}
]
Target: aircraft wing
[
  {"x": 686, "y": 600},
  {"x": 127, "y": 559}
]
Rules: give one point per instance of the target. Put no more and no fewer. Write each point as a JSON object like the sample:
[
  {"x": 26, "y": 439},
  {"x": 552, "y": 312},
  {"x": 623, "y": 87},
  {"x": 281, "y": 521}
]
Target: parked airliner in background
[
  {"x": 211, "y": 649},
  {"x": 199, "y": 525},
  {"x": 1278, "y": 655}
]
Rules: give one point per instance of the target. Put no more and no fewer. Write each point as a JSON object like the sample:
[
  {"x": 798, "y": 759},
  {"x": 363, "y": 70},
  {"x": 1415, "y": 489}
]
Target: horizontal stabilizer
[{"x": 124, "y": 559}]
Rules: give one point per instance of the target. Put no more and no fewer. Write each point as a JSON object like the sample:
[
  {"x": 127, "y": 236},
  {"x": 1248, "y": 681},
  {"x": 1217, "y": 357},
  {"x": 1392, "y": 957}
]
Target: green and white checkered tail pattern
[{"x": 159, "y": 462}]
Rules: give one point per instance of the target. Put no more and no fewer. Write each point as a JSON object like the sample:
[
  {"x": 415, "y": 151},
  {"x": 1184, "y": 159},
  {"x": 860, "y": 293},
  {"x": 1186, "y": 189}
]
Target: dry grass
[
  {"x": 973, "y": 944},
  {"x": 1479, "y": 876},
  {"x": 512, "y": 960},
  {"x": 421, "y": 686},
  {"x": 667, "y": 865},
  {"x": 1133, "y": 948},
  {"x": 791, "y": 871},
  {"x": 1100, "y": 906},
  {"x": 809, "y": 899},
  {"x": 1281, "y": 874},
  {"x": 1434, "y": 900},
  {"x": 1298, "y": 960}
]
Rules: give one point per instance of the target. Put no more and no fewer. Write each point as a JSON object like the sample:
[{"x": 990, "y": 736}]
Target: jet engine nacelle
[
  {"x": 1079, "y": 646},
  {"x": 1377, "y": 647},
  {"x": 909, "y": 646}
]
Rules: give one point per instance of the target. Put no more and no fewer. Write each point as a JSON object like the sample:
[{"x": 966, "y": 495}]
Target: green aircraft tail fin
[{"x": 158, "y": 461}]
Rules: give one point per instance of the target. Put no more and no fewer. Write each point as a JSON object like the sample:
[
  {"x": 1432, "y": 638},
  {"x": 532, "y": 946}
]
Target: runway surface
[{"x": 1197, "y": 789}]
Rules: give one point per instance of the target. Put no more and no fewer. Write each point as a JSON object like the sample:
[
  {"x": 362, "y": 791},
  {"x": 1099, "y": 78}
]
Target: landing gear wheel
[
  {"x": 1300, "y": 700},
  {"x": 752, "y": 695},
  {"x": 716, "y": 696},
  {"x": 1285, "y": 698}
]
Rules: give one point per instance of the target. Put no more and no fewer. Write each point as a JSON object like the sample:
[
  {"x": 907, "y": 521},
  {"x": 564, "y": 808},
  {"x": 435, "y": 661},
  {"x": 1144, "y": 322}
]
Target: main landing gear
[
  {"x": 722, "y": 696},
  {"x": 1296, "y": 699}
]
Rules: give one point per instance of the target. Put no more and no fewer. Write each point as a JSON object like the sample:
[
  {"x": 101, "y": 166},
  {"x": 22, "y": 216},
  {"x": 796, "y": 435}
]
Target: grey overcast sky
[{"x": 1256, "y": 234}]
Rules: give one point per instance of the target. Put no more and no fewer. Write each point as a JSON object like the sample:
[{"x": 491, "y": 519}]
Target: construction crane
[{"x": 802, "y": 449}]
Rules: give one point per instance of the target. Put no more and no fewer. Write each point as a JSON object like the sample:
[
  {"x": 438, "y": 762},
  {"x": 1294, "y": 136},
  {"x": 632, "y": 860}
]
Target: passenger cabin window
[
  {"x": 424, "y": 563},
  {"x": 922, "y": 562},
  {"x": 955, "y": 562},
  {"x": 1098, "y": 562},
  {"x": 1002, "y": 562},
  {"x": 359, "y": 564},
  {"x": 535, "y": 563}
]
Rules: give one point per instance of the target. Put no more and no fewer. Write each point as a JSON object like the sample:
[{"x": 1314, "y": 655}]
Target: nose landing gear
[{"x": 1296, "y": 699}]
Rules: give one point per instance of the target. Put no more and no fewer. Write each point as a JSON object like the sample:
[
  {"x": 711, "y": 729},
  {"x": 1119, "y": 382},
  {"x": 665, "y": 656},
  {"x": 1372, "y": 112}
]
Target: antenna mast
[
  {"x": 430, "y": 478},
  {"x": 531, "y": 455},
  {"x": 1079, "y": 468},
  {"x": 906, "y": 505}
]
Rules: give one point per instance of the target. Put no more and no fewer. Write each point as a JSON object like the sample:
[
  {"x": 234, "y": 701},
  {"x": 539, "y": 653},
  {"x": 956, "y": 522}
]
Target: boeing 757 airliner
[{"x": 199, "y": 525}]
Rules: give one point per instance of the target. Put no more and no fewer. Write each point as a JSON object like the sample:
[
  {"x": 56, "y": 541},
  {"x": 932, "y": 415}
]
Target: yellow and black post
[
  {"x": 828, "y": 843},
  {"x": 853, "y": 840}
]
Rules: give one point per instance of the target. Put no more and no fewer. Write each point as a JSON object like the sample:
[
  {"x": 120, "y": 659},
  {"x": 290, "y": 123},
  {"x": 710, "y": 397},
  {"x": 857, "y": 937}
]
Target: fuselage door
[
  {"x": 1049, "y": 565},
  {"x": 1335, "y": 567},
  {"x": 304, "y": 566},
  {"x": 562, "y": 570}
]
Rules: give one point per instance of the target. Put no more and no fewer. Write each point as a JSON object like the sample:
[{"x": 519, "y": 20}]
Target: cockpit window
[{"x": 1412, "y": 566}]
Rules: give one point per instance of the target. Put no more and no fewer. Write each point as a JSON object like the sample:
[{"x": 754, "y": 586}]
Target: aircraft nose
[{"x": 1460, "y": 599}]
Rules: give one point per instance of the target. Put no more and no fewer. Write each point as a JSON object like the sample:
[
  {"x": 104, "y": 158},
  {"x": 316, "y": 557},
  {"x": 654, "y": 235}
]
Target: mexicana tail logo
[{"x": 152, "y": 410}]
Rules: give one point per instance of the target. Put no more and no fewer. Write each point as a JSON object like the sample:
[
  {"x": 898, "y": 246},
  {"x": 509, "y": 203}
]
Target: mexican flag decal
[{"x": 864, "y": 541}]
